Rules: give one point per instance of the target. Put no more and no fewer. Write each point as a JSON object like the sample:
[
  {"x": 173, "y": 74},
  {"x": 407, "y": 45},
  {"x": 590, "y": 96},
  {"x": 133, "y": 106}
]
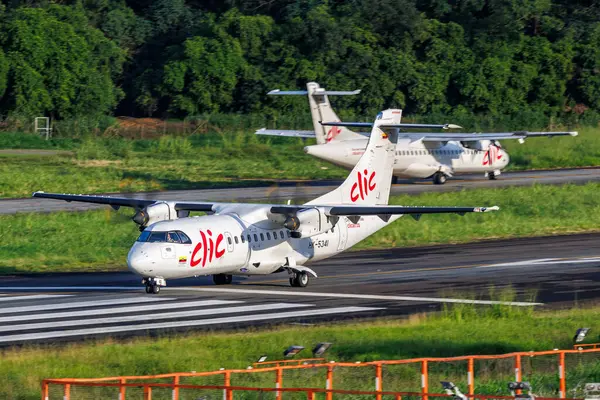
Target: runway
[
  {"x": 300, "y": 191},
  {"x": 557, "y": 271}
]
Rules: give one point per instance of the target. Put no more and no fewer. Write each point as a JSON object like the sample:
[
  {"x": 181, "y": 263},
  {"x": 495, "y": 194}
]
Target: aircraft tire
[
  {"x": 148, "y": 289},
  {"x": 302, "y": 279},
  {"x": 439, "y": 178},
  {"x": 222, "y": 279},
  {"x": 293, "y": 282},
  {"x": 155, "y": 289},
  {"x": 492, "y": 176}
]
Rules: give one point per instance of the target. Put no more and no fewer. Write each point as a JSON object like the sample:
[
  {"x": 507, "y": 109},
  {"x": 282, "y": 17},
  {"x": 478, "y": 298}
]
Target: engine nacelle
[
  {"x": 307, "y": 223},
  {"x": 154, "y": 213}
]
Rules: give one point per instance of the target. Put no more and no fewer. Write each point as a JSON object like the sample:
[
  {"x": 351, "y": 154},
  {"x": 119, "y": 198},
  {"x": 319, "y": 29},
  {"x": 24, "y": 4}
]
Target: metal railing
[{"x": 555, "y": 362}]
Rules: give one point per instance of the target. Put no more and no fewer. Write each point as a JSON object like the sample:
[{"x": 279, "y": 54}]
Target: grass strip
[
  {"x": 100, "y": 240},
  {"x": 465, "y": 330},
  {"x": 100, "y": 165}
]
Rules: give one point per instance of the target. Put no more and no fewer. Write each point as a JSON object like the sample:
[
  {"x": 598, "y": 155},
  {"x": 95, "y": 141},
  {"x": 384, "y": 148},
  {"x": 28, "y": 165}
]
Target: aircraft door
[{"x": 342, "y": 228}]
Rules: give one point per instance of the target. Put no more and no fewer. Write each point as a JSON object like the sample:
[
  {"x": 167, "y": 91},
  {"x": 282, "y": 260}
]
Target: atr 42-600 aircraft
[
  {"x": 260, "y": 239},
  {"x": 418, "y": 155}
]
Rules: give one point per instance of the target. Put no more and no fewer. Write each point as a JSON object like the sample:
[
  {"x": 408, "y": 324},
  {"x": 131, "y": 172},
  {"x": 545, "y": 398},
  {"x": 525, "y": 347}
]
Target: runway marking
[
  {"x": 118, "y": 310},
  {"x": 183, "y": 324},
  {"x": 33, "y": 297},
  {"x": 548, "y": 261},
  {"x": 153, "y": 316},
  {"x": 576, "y": 260},
  {"x": 74, "y": 288},
  {"x": 82, "y": 304},
  {"x": 358, "y": 296}
]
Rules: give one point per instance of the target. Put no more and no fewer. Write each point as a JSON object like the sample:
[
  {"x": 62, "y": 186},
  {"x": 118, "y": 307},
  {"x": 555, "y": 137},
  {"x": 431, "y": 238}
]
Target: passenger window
[
  {"x": 281, "y": 234},
  {"x": 235, "y": 239},
  {"x": 289, "y": 234},
  {"x": 268, "y": 236},
  {"x": 249, "y": 241},
  {"x": 229, "y": 240},
  {"x": 262, "y": 237},
  {"x": 243, "y": 238},
  {"x": 255, "y": 238}
]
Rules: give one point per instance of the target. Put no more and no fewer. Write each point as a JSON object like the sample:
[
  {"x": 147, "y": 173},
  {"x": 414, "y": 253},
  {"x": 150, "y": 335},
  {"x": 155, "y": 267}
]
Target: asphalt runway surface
[
  {"x": 551, "y": 272},
  {"x": 303, "y": 191}
]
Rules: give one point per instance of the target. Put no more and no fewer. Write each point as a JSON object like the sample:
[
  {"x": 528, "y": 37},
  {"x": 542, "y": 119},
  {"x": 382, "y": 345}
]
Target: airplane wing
[
  {"x": 345, "y": 210},
  {"x": 469, "y": 137},
  {"x": 277, "y": 92},
  {"x": 286, "y": 133},
  {"x": 116, "y": 202}
]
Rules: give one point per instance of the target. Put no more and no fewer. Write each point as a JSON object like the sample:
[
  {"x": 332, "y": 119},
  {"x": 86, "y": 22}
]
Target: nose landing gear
[
  {"x": 222, "y": 279},
  {"x": 153, "y": 285}
]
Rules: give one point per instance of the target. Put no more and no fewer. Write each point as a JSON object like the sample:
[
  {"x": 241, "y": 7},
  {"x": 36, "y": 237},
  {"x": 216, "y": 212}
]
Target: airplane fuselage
[
  {"x": 419, "y": 159},
  {"x": 239, "y": 241}
]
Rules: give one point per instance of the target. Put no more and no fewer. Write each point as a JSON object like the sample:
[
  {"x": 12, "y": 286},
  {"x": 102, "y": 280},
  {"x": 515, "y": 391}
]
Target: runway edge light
[
  {"x": 292, "y": 351},
  {"x": 320, "y": 349},
  {"x": 580, "y": 335}
]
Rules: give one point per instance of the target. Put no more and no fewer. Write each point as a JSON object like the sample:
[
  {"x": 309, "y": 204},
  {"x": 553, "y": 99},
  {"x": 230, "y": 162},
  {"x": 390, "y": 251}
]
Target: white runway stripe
[
  {"x": 183, "y": 324},
  {"x": 86, "y": 288},
  {"x": 82, "y": 304},
  {"x": 148, "y": 317},
  {"x": 33, "y": 297},
  {"x": 117, "y": 310},
  {"x": 354, "y": 296}
]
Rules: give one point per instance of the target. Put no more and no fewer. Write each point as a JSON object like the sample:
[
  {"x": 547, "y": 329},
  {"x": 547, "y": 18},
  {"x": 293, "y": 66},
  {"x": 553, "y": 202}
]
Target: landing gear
[
  {"x": 299, "y": 279},
  {"x": 222, "y": 279},
  {"x": 439, "y": 178},
  {"x": 492, "y": 175},
  {"x": 153, "y": 285}
]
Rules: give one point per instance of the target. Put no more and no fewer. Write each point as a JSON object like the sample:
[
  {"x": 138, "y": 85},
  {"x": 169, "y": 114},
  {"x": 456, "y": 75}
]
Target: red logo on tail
[
  {"x": 364, "y": 184},
  {"x": 332, "y": 133},
  {"x": 209, "y": 249}
]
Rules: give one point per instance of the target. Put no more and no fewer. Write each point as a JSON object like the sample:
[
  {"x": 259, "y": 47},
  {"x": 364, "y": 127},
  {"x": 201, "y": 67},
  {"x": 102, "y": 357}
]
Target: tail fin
[
  {"x": 370, "y": 181},
  {"x": 320, "y": 110}
]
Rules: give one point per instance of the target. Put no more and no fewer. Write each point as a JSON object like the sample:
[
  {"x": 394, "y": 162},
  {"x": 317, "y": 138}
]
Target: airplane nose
[
  {"x": 506, "y": 158},
  {"x": 139, "y": 262}
]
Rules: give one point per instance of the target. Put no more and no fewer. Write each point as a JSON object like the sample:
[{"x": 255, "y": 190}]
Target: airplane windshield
[{"x": 164, "y": 237}]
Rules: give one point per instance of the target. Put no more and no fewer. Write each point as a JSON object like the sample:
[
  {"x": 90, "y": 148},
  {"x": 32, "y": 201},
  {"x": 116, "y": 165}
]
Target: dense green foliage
[
  {"x": 461, "y": 330},
  {"x": 44, "y": 242},
  {"x": 532, "y": 60}
]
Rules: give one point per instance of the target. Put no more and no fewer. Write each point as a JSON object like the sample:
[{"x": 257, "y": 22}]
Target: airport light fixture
[
  {"x": 515, "y": 386},
  {"x": 452, "y": 390},
  {"x": 591, "y": 391},
  {"x": 580, "y": 335},
  {"x": 262, "y": 359},
  {"x": 292, "y": 351},
  {"x": 320, "y": 349}
]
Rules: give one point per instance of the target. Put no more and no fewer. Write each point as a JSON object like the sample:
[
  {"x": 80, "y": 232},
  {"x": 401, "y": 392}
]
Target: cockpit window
[{"x": 164, "y": 237}]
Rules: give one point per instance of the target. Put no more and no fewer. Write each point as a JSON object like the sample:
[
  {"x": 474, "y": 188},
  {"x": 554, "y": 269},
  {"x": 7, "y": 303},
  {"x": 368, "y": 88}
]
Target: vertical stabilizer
[{"x": 370, "y": 181}]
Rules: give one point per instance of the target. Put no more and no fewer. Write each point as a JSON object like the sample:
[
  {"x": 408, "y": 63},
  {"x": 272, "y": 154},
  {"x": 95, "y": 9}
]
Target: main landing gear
[
  {"x": 439, "y": 178},
  {"x": 299, "y": 279},
  {"x": 492, "y": 175},
  {"x": 222, "y": 279},
  {"x": 153, "y": 285}
]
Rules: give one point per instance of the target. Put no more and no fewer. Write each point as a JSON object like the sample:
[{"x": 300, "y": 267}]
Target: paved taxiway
[
  {"x": 550, "y": 272},
  {"x": 310, "y": 190}
]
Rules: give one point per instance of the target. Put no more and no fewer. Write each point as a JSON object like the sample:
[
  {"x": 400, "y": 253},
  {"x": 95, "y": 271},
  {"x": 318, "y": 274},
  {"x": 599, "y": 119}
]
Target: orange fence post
[
  {"x": 227, "y": 394},
  {"x": 424, "y": 379},
  {"x": 471, "y": 376},
  {"x": 45, "y": 390},
  {"x": 147, "y": 392},
  {"x": 329, "y": 382},
  {"x": 562, "y": 391},
  {"x": 122, "y": 388},
  {"x": 310, "y": 395},
  {"x": 278, "y": 382},
  {"x": 175, "y": 388},
  {"x": 67, "y": 392},
  {"x": 518, "y": 371},
  {"x": 398, "y": 397},
  {"x": 378, "y": 380}
]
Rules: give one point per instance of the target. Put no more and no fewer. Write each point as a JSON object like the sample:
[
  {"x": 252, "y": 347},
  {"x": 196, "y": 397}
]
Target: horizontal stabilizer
[
  {"x": 389, "y": 126},
  {"x": 318, "y": 92},
  {"x": 285, "y": 133}
]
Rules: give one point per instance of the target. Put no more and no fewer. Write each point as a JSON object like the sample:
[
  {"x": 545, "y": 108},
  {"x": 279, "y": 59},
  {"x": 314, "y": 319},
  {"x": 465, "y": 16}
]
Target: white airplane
[
  {"x": 260, "y": 239},
  {"x": 418, "y": 155}
]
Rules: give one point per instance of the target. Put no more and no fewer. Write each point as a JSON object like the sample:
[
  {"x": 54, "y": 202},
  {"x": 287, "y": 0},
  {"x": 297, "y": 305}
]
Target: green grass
[
  {"x": 450, "y": 333},
  {"x": 100, "y": 240},
  {"x": 214, "y": 159}
]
